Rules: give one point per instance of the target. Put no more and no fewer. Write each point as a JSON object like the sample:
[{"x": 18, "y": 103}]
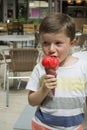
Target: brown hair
[{"x": 58, "y": 22}]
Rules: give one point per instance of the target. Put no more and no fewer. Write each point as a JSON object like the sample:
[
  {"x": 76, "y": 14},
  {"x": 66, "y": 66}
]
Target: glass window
[{"x": 38, "y": 9}]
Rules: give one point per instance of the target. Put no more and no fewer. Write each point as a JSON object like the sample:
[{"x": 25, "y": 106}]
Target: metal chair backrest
[{"x": 23, "y": 59}]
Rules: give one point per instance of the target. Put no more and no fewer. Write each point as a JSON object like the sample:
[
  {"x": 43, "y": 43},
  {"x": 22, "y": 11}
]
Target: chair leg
[
  {"x": 19, "y": 84},
  {"x": 5, "y": 76},
  {"x": 7, "y": 90}
]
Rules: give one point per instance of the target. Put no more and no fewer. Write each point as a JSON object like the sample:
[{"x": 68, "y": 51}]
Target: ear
[{"x": 73, "y": 42}]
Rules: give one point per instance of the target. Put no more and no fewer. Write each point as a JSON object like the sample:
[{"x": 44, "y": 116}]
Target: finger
[{"x": 51, "y": 85}]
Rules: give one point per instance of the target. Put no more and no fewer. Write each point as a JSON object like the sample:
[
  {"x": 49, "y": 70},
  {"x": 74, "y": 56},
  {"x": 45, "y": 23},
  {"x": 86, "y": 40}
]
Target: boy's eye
[
  {"x": 45, "y": 43},
  {"x": 58, "y": 43}
]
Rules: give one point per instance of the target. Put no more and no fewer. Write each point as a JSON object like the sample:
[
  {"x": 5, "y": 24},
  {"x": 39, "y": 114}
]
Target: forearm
[
  {"x": 48, "y": 83},
  {"x": 36, "y": 98}
]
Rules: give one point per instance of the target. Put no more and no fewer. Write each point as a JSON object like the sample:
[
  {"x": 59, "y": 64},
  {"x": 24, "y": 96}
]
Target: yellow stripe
[{"x": 71, "y": 84}]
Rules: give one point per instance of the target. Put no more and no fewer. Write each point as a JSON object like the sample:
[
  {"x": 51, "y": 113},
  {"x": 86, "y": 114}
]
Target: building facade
[{"x": 35, "y": 10}]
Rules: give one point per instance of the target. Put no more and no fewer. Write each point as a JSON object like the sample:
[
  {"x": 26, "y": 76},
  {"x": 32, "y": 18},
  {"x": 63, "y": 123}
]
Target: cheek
[
  {"x": 63, "y": 51},
  {"x": 45, "y": 50}
]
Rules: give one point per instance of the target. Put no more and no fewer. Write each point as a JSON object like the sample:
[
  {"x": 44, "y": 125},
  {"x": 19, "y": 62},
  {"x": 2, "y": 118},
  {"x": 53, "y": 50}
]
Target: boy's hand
[{"x": 48, "y": 82}]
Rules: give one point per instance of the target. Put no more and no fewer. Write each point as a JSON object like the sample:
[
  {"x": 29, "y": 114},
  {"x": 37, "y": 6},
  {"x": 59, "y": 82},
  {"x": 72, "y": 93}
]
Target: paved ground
[
  {"x": 9, "y": 115},
  {"x": 18, "y": 101}
]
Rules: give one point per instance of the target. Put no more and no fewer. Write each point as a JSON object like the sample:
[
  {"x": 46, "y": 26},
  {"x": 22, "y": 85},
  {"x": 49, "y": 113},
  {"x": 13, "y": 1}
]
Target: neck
[{"x": 68, "y": 61}]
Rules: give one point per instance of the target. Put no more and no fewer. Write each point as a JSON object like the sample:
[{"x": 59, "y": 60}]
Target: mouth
[{"x": 53, "y": 56}]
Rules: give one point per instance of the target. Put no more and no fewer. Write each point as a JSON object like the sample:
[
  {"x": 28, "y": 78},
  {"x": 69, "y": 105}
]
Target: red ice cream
[{"x": 50, "y": 64}]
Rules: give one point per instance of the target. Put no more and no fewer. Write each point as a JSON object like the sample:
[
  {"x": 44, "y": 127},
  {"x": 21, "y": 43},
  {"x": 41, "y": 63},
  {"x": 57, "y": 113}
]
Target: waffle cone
[{"x": 51, "y": 71}]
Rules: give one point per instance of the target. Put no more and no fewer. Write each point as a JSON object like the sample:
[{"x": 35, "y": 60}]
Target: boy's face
[{"x": 56, "y": 44}]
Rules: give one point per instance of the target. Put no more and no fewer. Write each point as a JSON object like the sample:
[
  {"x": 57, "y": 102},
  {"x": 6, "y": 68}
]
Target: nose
[{"x": 52, "y": 47}]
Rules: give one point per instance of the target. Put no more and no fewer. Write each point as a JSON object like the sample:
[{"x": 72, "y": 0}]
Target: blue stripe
[{"x": 59, "y": 120}]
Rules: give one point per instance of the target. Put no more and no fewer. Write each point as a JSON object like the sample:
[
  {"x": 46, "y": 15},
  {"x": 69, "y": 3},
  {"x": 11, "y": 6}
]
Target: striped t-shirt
[{"x": 64, "y": 110}]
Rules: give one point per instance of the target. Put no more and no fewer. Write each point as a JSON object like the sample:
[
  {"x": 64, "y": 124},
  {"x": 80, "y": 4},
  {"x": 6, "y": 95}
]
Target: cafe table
[{"x": 16, "y": 39}]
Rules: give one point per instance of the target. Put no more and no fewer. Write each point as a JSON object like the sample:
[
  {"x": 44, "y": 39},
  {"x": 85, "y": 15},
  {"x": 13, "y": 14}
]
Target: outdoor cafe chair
[
  {"x": 84, "y": 28},
  {"x": 22, "y": 60},
  {"x": 14, "y": 28},
  {"x": 28, "y": 28}
]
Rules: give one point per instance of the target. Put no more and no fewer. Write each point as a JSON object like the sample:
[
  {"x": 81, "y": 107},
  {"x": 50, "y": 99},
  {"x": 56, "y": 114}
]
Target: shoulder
[
  {"x": 38, "y": 69},
  {"x": 35, "y": 76},
  {"x": 82, "y": 64},
  {"x": 80, "y": 54},
  {"x": 39, "y": 66}
]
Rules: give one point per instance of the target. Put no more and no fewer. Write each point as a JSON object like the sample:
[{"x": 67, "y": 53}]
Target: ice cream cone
[
  {"x": 52, "y": 72},
  {"x": 50, "y": 64}
]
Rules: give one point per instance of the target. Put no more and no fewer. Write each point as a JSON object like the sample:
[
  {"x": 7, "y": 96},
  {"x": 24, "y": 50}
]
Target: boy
[{"x": 64, "y": 110}]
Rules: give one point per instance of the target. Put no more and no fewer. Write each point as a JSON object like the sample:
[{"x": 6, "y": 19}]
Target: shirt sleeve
[
  {"x": 33, "y": 82},
  {"x": 85, "y": 71}
]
